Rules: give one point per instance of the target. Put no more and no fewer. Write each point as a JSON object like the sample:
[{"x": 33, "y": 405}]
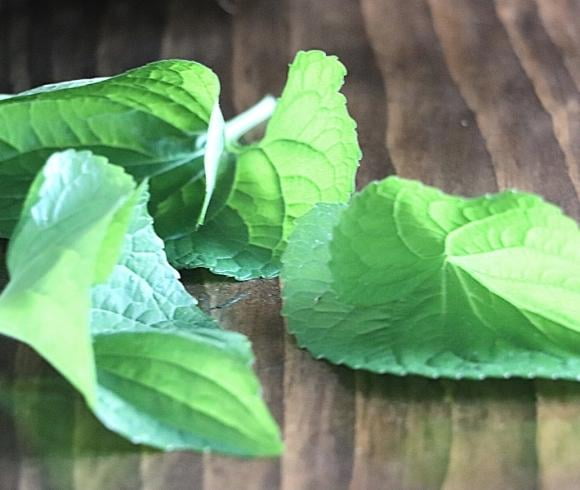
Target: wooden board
[{"x": 469, "y": 95}]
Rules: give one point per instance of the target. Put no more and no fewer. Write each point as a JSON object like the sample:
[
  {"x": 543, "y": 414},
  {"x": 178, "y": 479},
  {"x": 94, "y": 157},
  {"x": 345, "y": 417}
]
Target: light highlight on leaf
[{"x": 214, "y": 148}]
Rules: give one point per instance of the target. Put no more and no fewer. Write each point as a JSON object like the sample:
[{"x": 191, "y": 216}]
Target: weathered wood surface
[{"x": 469, "y": 95}]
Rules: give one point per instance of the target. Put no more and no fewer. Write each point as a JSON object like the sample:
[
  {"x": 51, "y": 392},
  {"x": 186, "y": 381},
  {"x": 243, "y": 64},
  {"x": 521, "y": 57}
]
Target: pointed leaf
[{"x": 55, "y": 258}]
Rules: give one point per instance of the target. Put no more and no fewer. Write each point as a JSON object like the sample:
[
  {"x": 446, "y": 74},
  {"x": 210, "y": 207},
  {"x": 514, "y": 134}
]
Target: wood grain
[{"x": 469, "y": 95}]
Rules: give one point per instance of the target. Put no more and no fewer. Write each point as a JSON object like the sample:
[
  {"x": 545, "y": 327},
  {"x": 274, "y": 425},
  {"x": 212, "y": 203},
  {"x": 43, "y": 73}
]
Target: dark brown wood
[{"x": 469, "y": 95}]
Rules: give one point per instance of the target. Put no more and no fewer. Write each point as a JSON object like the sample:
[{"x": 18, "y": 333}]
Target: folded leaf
[
  {"x": 55, "y": 258},
  {"x": 162, "y": 372},
  {"x": 407, "y": 279},
  {"x": 147, "y": 120},
  {"x": 214, "y": 149},
  {"x": 308, "y": 155}
]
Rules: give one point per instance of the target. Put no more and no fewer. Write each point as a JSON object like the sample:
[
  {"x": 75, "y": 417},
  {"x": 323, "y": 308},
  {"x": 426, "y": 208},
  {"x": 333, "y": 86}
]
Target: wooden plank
[
  {"x": 252, "y": 308},
  {"x": 518, "y": 131},
  {"x": 494, "y": 434},
  {"x": 123, "y": 25},
  {"x": 320, "y": 396},
  {"x": 341, "y": 30},
  {"x": 469, "y": 96},
  {"x": 432, "y": 134},
  {"x": 541, "y": 49},
  {"x": 553, "y": 84},
  {"x": 403, "y": 433},
  {"x": 560, "y": 18},
  {"x": 558, "y": 414},
  {"x": 202, "y": 33}
]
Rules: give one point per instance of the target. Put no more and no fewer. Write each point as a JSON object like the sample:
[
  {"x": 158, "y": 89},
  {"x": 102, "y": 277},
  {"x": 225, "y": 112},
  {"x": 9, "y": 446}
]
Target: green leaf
[
  {"x": 168, "y": 376},
  {"x": 162, "y": 372},
  {"x": 308, "y": 155},
  {"x": 55, "y": 257},
  {"x": 407, "y": 279},
  {"x": 147, "y": 120},
  {"x": 142, "y": 289},
  {"x": 178, "y": 388}
]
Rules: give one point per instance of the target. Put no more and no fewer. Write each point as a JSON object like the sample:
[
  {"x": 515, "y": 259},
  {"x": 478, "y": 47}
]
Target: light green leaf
[
  {"x": 178, "y": 388},
  {"x": 407, "y": 279},
  {"x": 166, "y": 375},
  {"x": 55, "y": 257},
  {"x": 143, "y": 289},
  {"x": 214, "y": 154},
  {"x": 147, "y": 120},
  {"x": 308, "y": 155}
]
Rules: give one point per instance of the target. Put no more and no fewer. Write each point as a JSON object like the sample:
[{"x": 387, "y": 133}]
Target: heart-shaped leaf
[{"x": 407, "y": 279}]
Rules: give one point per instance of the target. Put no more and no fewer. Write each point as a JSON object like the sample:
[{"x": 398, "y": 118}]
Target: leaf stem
[{"x": 248, "y": 120}]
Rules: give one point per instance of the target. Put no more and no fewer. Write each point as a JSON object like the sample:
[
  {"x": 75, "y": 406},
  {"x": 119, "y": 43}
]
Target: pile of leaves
[
  {"x": 108, "y": 184},
  {"x": 105, "y": 182}
]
